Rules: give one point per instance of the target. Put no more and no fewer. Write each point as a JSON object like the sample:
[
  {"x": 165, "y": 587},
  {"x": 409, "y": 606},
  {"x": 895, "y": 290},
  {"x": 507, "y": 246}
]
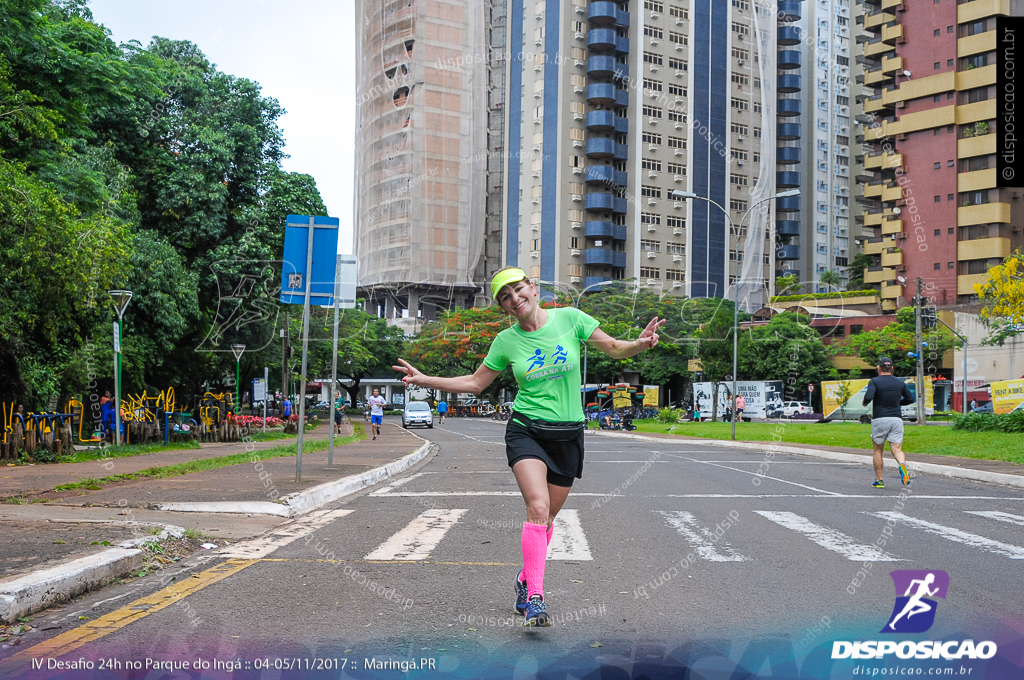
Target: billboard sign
[{"x": 1007, "y": 396}]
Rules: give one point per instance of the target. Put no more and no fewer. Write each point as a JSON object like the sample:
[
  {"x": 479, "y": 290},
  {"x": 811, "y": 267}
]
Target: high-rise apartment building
[
  {"x": 937, "y": 213},
  {"x": 613, "y": 106}
]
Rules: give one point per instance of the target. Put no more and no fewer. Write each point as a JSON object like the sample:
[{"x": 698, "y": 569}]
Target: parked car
[
  {"x": 417, "y": 413},
  {"x": 984, "y": 408},
  {"x": 791, "y": 408}
]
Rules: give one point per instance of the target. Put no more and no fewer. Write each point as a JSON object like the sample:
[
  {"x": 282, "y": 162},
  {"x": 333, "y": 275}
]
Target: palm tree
[{"x": 830, "y": 278}]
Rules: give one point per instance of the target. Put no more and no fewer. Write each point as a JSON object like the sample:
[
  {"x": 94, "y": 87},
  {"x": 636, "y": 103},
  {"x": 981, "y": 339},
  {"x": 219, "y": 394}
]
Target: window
[
  {"x": 738, "y": 129},
  {"x": 937, "y": 65},
  {"x": 738, "y": 154},
  {"x": 656, "y": 59},
  {"x": 576, "y": 107},
  {"x": 652, "y": 32},
  {"x": 654, "y": 6},
  {"x": 738, "y": 180},
  {"x": 535, "y": 244},
  {"x": 650, "y": 164},
  {"x": 676, "y": 116},
  {"x": 535, "y": 271},
  {"x": 740, "y": 79},
  {"x": 757, "y": 156},
  {"x": 936, "y": 33},
  {"x": 949, "y": 62},
  {"x": 951, "y": 230},
  {"x": 575, "y": 187},
  {"x": 738, "y": 53},
  {"x": 676, "y": 169},
  {"x": 676, "y": 143},
  {"x": 675, "y": 275},
  {"x": 740, "y": 104},
  {"x": 650, "y": 273},
  {"x": 574, "y": 270},
  {"x": 678, "y": 12},
  {"x": 950, "y": 163},
  {"x": 937, "y": 165},
  {"x": 650, "y": 192},
  {"x": 677, "y": 90},
  {"x": 741, "y": 4},
  {"x": 676, "y": 222},
  {"x": 738, "y": 206},
  {"x": 650, "y": 84},
  {"x": 579, "y": 54},
  {"x": 678, "y": 64},
  {"x": 651, "y": 138},
  {"x": 577, "y": 79},
  {"x": 740, "y": 29},
  {"x": 757, "y": 106},
  {"x": 937, "y": 266},
  {"x": 652, "y": 111},
  {"x": 951, "y": 265},
  {"x": 950, "y": 29},
  {"x": 677, "y": 38},
  {"x": 650, "y": 246},
  {"x": 650, "y": 218},
  {"x": 938, "y": 199},
  {"x": 577, "y": 134},
  {"x": 574, "y": 242},
  {"x": 575, "y": 215}
]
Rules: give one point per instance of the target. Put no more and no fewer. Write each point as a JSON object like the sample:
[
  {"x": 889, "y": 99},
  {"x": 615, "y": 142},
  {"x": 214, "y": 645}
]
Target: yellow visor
[{"x": 505, "y": 277}]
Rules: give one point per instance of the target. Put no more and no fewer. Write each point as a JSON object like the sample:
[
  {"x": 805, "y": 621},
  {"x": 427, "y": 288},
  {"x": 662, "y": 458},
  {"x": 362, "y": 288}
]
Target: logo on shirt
[{"x": 537, "y": 361}]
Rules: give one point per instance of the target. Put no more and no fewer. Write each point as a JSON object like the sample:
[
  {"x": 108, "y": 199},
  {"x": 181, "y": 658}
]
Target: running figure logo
[
  {"x": 536, "y": 361},
  {"x": 914, "y": 612},
  {"x": 560, "y": 355}
]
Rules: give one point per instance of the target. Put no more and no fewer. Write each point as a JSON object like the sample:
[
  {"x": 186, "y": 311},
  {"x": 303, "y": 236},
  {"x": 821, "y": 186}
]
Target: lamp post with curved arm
[{"x": 736, "y": 285}]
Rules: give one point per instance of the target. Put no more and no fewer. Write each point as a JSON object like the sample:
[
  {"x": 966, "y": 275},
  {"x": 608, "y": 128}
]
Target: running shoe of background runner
[
  {"x": 879, "y": 484},
  {"x": 904, "y": 474},
  {"x": 521, "y": 593},
  {"x": 536, "y": 613}
]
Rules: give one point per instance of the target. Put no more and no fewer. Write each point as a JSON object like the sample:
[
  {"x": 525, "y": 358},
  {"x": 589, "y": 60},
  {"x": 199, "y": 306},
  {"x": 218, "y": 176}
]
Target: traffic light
[{"x": 928, "y": 317}]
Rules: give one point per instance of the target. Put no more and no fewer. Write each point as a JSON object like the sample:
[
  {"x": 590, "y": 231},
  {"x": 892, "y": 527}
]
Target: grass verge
[
  {"x": 935, "y": 441},
  {"x": 127, "y": 450},
  {"x": 213, "y": 463}
]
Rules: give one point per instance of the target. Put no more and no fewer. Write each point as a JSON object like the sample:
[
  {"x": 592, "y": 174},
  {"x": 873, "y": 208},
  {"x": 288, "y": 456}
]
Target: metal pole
[
  {"x": 735, "y": 328},
  {"x": 964, "y": 386},
  {"x": 266, "y": 396},
  {"x": 117, "y": 382},
  {"x": 919, "y": 378},
  {"x": 238, "y": 376},
  {"x": 305, "y": 347},
  {"x": 334, "y": 371}
]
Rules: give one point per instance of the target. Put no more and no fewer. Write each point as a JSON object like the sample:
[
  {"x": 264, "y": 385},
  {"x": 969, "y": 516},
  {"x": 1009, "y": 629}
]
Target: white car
[
  {"x": 791, "y": 408},
  {"x": 417, "y": 413}
]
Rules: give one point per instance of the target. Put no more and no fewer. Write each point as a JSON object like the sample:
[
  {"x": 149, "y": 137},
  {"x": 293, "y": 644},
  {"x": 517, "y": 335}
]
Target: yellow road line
[
  {"x": 115, "y": 620},
  {"x": 461, "y": 564}
]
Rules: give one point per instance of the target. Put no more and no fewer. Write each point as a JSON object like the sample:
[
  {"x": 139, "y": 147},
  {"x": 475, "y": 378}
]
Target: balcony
[
  {"x": 891, "y": 226},
  {"x": 789, "y": 10},
  {"x": 892, "y": 258},
  {"x": 875, "y": 47},
  {"x": 589, "y": 281},
  {"x": 976, "y": 146},
  {"x": 892, "y": 34},
  {"x": 891, "y": 290},
  {"x": 882, "y": 161},
  {"x": 787, "y": 155},
  {"x": 894, "y": 5},
  {"x": 605, "y": 174},
  {"x": 977, "y": 180},
  {"x": 983, "y": 214},
  {"x": 789, "y": 35},
  {"x": 605, "y": 13},
  {"x": 787, "y": 228},
  {"x": 788, "y": 132},
  {"x": 788, "y": 83},
  {"x": 787, "y": 253},
  {"x": 875, "y": 246},
  {"x": 878, "y": 19},
  {"x": 601, "y": 121},
  {"x": 983, "y": 249},
  {"x": 604, "y": 256},
  {"x": 875, "y": 77},
  {"x": 878, "y": 274},
  {"x": 606, "y": 67},
  {"x": 787, "y": 180},
  {"x": 965, "y": 283},
  {"x": 789, "y": 59},
  {"x": 787, "y": 204},
  {"x": 788, "y": 107},
  {"x": 600, "y": 147},
  {"x": 976, "y": 44},
  {"x": 601, "y": 39},
  {"x": 604, "y": 229},
  {"x": 604, "y": 202},
  {"x": 601, "y": 93},
  {"x": 979, "y": 9},
  {"x": 892, "y": 64}
]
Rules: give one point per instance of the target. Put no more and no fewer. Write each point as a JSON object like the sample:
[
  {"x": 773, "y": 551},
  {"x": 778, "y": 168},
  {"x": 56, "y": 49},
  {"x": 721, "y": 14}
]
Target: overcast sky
[{"x": 302, "y": 54}]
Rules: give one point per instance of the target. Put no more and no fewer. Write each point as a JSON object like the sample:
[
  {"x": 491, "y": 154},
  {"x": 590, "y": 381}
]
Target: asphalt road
[{"x": 666, "y": 555}]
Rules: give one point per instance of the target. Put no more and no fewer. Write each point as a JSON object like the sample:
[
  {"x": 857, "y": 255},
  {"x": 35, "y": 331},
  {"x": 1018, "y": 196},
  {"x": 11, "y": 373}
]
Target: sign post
[
  {"x": 259, "y": 393},
  {"x": 344, "y": 296},
  {"x": 320, "y": 259},
  {"x": 266, "y": 396}
]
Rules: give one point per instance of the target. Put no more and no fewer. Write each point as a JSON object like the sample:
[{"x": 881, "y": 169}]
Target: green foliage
[
  {"x": 668, "y": 415},
  {"x": 990, "y": 422},
  {"x": 895, "y": 340},
  {"x": 858, "y": 264},
  {"x": 830, "y": 278},
  {"x": 790, "y": 283},
  {"x": 823, "y": 296},
  {"x": 785, "y": 348}
]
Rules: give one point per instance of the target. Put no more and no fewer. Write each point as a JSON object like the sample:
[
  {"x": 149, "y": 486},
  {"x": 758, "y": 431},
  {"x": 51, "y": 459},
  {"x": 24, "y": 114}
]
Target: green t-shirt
[{"x": 546, "y": 364}]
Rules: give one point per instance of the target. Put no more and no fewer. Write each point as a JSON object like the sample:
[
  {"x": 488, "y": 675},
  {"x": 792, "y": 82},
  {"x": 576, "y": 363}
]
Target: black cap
[{"x": 884, "y": 361}]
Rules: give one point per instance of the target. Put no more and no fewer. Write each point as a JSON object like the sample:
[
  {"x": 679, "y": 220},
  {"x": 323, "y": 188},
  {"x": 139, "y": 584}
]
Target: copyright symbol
[{"x": 1007, "y": 173}]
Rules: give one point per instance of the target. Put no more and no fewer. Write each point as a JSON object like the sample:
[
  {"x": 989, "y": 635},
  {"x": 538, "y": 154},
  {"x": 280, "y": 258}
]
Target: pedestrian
[
  {"x": 376, "y": 404},
  {"x": 974, "y": 404},
  {"x": 442, "y": 410},
  {"x": 339, "y": 409},
  {"x": 888, "y": 394},
  {"x": 544, "y": 437},
  {"x": 741, "y": 404},
  {"x": 286, "y": 408}
]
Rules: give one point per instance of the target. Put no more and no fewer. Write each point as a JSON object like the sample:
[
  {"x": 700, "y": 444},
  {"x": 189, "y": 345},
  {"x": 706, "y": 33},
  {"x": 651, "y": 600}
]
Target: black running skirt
[{"x": 563, "y": 458}]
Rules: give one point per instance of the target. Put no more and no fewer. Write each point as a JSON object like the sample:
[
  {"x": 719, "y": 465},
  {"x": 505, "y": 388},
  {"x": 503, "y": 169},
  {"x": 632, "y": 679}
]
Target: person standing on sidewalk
[
  {"x": 339, "y": 410},
  {"x": 741, "y": 404},
  {"x": 544, "y": 436},
  {"x": 888, "y": 394},
  {"x": 286, "y": 408},
  {"x": 376, "y": 404},
  {"x": 442, "y": 410}
]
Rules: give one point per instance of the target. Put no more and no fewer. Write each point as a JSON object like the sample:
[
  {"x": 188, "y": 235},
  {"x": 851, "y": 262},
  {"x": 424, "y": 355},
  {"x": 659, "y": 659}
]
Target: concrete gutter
[
  {"x": 930, "y": 468},
  {"x": 228, "y": 507}
]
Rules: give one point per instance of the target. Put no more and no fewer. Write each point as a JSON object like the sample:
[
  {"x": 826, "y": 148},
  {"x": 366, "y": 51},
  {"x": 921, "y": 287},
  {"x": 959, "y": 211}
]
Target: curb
[
  {"x": 227, "y": 507},
  {"x": 930, "y": 468}
]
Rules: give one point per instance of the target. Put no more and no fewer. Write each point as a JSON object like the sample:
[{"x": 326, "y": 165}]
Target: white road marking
[
  {"x": 956, "y": 535},
  {"x": 569, "y": 542},
  {"x": 1001, "y": 516},
  {"x": 762, "y": 476},
  {"x": 395, "y": 484},
  {"x": 829, "y": 495},
  {"x": 419, "y": 536},
  {"x": 283, "y": 535},
  {"x": 829, "y": 539},
  {"x": 703, "y": 540}
]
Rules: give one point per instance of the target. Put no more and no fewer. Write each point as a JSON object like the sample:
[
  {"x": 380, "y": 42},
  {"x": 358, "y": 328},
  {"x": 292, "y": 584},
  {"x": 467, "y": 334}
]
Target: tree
[
  {"x": 787, "y": 285},
  {"x": 714, "y": 349},
  {"x": 894, "y": 341},
  {"x": 1003, "y": 298},
  {"x": 830, "y": 278},
  {"x": 858, "y": 264},
  {"x": 843, "y": 395},
  {"x": 788, "y": 349}
]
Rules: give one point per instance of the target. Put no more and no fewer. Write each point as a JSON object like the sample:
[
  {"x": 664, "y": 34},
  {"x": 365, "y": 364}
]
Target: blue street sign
[{"x": 296, "y": 249}]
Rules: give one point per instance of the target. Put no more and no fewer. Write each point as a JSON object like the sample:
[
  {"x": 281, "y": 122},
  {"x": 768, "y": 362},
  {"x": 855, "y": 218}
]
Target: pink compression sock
[
  {"x": 551, "y": 532},
  {"x": 535, "y": 554}
]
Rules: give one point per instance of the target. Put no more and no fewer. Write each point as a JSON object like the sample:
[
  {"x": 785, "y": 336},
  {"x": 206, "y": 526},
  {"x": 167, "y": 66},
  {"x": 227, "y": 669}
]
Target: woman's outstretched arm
[
  {"x": 474, "y": 384},
  {"x": 623, "y": 349}
]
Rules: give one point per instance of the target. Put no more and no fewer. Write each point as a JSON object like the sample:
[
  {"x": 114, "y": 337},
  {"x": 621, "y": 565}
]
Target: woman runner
[{"x": 544, "y": 436}]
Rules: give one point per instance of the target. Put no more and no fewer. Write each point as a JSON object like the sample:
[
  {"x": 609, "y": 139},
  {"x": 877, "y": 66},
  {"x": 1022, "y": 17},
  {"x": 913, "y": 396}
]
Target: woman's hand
[
  {"x": 413, "y": 376},
  {"x": 649, "y": 338}
]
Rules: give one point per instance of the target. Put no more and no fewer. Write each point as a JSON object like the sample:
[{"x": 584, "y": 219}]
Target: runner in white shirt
[{"x": 376, "y": 403}]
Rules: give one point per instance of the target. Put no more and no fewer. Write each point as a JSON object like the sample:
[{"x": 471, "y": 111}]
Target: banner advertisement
[
  {"x": 1007, "y": 396},
  {"x": 763, "y": 397},
  {"x": 651, "y": 396},
  {"x": 833, "y": 397}
]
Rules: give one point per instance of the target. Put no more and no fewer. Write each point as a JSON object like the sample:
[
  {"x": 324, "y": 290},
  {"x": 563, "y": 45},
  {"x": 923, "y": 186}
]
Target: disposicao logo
[{"x": 914, "y": 612}]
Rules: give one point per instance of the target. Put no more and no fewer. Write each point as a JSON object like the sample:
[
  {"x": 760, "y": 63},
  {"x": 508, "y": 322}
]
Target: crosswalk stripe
[
  {"x": 419, "y": 536},
  {"x": 1001, "y": 516},
  {"x": 283, "y": 535},
  {"x": 395, "y": 484},
  {"x": 569, "y": 542},
  {"x": 829, "y": 539},
  {"x": 703, "y": 540},
  {"x": 956, "y": 535}
]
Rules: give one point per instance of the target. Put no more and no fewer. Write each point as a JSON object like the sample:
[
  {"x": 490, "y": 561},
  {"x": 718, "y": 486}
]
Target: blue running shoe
[
  {"x": 879, "y": 484},
  {"x": 521, "y": 594},
  {"x": 536, "y": 613},
  {"x": 904, "y": 474}
]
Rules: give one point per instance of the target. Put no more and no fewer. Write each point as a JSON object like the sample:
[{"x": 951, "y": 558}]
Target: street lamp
[
  {"x": 120, "y": 298},
  {"x": 736, "y": 295},
  {"x": 238, "y": 350}
]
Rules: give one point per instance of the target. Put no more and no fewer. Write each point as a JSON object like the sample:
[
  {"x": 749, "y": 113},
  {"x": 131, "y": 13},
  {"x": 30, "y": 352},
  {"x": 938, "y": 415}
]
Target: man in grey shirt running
[{"x": 888, "y": 393}]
